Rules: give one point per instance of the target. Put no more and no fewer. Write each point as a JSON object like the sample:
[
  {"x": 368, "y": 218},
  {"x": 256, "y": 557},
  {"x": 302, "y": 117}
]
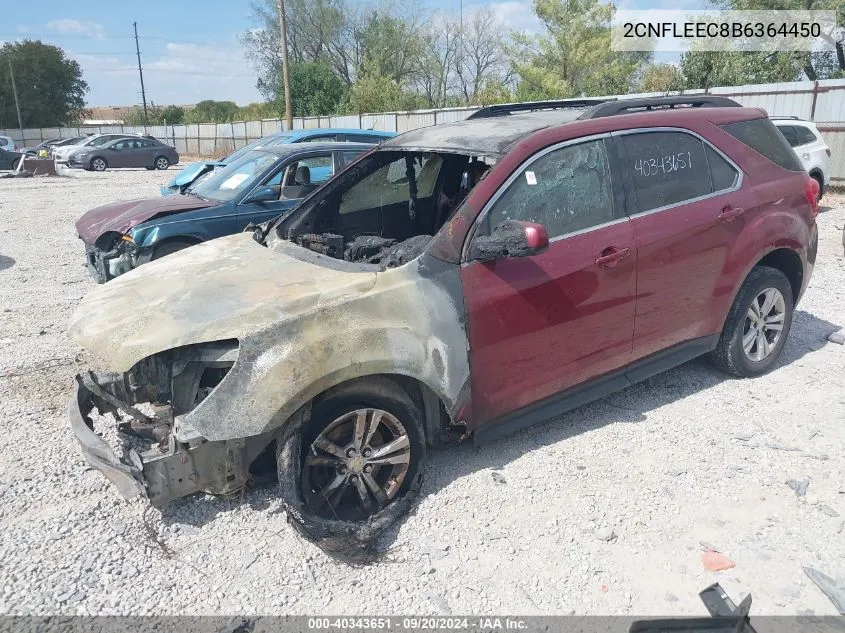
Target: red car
[{"x": 461, "y": 280}]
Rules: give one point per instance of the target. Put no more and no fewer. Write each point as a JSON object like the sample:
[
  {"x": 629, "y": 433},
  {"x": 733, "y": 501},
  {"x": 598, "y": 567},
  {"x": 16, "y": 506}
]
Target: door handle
[
  {"x": 611, "y": 256},
  {"x": 730, "y": 213}
]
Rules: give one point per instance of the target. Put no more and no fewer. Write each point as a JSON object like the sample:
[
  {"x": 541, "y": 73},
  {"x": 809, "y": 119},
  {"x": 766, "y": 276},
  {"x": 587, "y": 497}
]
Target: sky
[{"x": 189, "y": 48}]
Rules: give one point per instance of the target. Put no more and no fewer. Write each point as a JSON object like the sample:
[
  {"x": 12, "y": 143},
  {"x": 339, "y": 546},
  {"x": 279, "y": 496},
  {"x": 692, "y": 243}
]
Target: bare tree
[{"x": 483, "y": 56}]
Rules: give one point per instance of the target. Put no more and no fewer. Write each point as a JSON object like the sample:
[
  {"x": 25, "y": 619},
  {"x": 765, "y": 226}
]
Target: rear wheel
[
  {"x": 162, "y": 250},
  {"x": 758, "y": 324},
  {"x": 162, "y": 163},
  {"x": 99, "y": 164}
]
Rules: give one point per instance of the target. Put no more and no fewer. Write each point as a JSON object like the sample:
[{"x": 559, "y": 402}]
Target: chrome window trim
[
  {"x": 516, "y": 173},
  {"x": 666, "y": 207}
]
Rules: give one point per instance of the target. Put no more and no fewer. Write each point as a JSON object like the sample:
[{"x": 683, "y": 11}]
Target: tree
[
  {"x": 573, "y": 57},
  {"x": 315, "y": 89},
  {"x": 483, "y": 57},
  {"x": 661, "y": 78},
  {"x": 816, "y": 65},
  {"x": 705, "y": 69},
  {"x": 210, "y": 111},
  {"x": 258, "y": 111},
  {"x": 373, "y": 92},
  {"x": 50, "y": 87}
]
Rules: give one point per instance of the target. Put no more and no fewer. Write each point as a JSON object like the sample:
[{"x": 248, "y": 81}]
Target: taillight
[{"x": 811, "y": 191}]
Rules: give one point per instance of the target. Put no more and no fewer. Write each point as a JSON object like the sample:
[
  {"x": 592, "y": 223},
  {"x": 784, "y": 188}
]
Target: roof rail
[
  {"x": 791, "y": 118},
  {"x": 629, "y": 106},
  {"x": 506, "y": 109}
]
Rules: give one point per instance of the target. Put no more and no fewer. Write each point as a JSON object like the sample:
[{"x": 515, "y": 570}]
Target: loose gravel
[{"x": 606, "y": 510}]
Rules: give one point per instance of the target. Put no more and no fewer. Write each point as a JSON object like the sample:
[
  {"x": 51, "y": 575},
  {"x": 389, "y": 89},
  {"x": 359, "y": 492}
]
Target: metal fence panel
[
  {"x": 385, "y": 122},
  {"x": 834, "y": 136},
  {"x": 412, "y": 120},
  {"x": 454, "y": 114},
  {"x": 347, "y": 121},
  {"x": 270, "y": 126}
]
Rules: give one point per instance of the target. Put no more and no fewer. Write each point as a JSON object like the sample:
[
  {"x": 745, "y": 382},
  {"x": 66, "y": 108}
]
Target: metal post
[
  {"x": 141, "y": 74},
  {"x": 17, "y": 105},
  {"x": 283, "y": 31}
]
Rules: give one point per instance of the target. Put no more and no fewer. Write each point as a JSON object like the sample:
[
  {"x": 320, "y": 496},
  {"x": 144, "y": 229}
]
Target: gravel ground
[{"x": 600, "y": 512}]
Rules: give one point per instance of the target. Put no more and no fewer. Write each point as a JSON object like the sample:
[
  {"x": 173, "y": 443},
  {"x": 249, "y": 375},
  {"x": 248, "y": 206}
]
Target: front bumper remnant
[
  {"x": 168, "y": 470},
  {"x": 125, "y": 476}
]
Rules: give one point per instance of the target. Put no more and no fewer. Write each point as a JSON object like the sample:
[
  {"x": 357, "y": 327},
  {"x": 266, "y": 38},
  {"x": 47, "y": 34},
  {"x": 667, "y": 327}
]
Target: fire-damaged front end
[{"x": 178, "y": 461}]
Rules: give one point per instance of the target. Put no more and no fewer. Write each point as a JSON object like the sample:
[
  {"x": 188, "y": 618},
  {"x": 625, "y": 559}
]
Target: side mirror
[
  {"x": 511, "y": 238},
  {"x": 266, "y": 193}
]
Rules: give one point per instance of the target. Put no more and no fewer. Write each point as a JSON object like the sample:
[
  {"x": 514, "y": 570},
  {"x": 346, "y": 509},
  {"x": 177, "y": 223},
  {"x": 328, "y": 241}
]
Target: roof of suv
[{"x": 494, "y": 137}]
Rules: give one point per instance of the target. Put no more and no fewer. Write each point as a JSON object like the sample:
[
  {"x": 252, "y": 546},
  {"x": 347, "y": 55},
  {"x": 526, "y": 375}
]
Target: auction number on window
[{"x": 663, "y": 164}]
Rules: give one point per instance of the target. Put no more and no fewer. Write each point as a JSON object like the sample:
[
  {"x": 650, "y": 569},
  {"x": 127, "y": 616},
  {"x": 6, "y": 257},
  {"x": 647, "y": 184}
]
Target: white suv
[
  {"x": 806, "y": 140},
  {"x": 8, "y": 144}
]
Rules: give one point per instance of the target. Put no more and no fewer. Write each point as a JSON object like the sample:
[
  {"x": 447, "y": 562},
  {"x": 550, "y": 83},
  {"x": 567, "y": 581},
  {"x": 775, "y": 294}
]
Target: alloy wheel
[
  {"x": 356, "y": 466},
  {"x": 98, "y": 164},
  {"x": 763, "y": 324},
  {"x": 162, "y": 163}
]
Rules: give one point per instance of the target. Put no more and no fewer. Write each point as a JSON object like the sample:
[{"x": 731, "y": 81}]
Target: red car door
[
  {"x": 543, "y": 324},
  {"x": 685, "y": 222}
]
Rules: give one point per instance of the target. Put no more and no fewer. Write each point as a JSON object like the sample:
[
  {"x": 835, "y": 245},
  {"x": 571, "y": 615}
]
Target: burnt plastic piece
[
  {"x": 363, "y": 247},
  {"x": 325, "y": 243},
  {"x": 630, "y": 106},
  {"x": 506, "y": 109}
]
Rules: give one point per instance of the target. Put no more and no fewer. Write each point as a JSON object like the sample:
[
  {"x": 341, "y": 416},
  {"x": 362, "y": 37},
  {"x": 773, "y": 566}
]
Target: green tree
[
  {"x": 378, "y": 93},
  {"x": 173, "y": 114},
  {"x": 51, "y": 90},
  {"x": 209, "y": 111},
  {"x": 661, "y": 78},
  {"x": 257, "y": 111},
  {"x": 705, "y": 69},
  {"x": 817, "y": 65},
  {"x": 573, "y": 57},
  {"x": 315, "y": 89}
]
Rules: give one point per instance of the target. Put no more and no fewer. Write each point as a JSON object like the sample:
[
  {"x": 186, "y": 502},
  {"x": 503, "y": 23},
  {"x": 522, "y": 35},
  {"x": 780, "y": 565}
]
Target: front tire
[
  {"x": 354, "y": 466},
  {"x": 757, "y": 325},
  {"x": 99, "y": 164}
]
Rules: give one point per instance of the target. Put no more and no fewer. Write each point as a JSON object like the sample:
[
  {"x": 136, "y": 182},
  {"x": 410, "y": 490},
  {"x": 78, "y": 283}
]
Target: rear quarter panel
[{"x": 777, "y": 215}]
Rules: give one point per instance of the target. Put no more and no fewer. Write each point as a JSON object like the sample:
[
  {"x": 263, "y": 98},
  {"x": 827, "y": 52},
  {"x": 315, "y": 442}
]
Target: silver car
[{"x": 125, "y": 152}]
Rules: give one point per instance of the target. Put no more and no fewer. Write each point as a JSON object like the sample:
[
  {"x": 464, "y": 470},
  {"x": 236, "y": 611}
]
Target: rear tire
[
  {"x": 162, "y": 163},
  {"x": 167, "y": 248},
  {"x": 751, "y": 342}
]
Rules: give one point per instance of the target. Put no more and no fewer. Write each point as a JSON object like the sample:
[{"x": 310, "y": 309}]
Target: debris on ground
[
  {"x": 498, "y": 478},
  {"x": 799, "y": 486},
  {"x": 837, "y": 337},
  {"x": 605, "y": 534},
  {"x": 828, "y": 510},
  {"x": 829, "y": 587},
  {"x": 715, "y": 561}
]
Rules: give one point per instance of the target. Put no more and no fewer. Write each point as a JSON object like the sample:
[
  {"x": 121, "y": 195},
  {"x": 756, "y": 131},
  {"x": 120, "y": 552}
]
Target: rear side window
[
  {"x": 805, "y": 135},
  {"x": 789, "y": 134},
  {"x": 364, "y": 138},
  {"x": 722, "y": 173},
  {"x": 761, "y": 136},
  {"x": 666, "y": 168}
]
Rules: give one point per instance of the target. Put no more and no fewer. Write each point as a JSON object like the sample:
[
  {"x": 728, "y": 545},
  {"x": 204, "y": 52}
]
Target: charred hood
[{"x": 122, "y": 216}]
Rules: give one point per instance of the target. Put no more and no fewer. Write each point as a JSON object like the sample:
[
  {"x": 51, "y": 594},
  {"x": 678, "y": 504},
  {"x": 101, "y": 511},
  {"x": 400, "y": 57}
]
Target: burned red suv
[{"x": 462, "y": 280}]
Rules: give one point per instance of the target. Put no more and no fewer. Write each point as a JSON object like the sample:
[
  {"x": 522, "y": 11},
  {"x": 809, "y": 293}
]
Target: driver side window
[{"x": 566, "y": 190}]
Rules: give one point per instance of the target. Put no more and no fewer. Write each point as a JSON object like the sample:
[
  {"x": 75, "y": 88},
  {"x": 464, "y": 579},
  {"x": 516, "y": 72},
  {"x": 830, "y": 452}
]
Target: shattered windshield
[{"x": 228, "y": 182}]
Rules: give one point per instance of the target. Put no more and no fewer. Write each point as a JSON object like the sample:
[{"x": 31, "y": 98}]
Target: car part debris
[{"x": 834, "y": 591}]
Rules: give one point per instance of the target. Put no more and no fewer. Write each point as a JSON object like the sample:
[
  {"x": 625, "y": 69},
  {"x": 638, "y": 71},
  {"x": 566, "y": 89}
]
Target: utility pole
[
  {"x": 141, "y": 73},
  {"x": 15, "y": 92},
  {"x": 285, "y": 73}
]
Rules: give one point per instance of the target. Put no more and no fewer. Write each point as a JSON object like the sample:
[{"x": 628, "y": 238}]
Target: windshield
[
  {"x": 226, "y": 183},
  {"x": 276, "y": 139}
]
